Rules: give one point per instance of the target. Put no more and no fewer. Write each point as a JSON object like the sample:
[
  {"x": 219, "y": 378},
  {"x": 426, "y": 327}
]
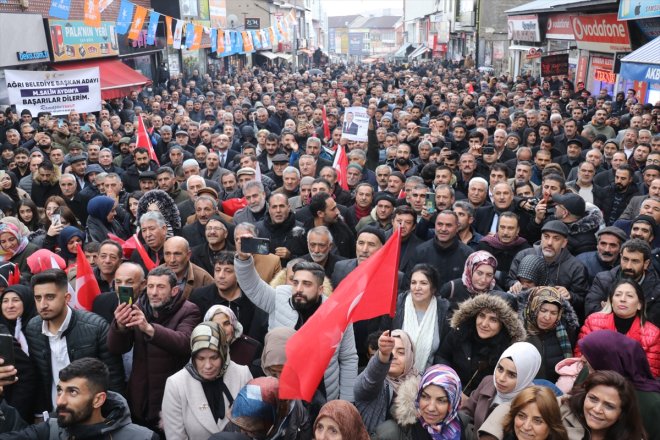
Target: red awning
[{"x": 117, "y": 79}]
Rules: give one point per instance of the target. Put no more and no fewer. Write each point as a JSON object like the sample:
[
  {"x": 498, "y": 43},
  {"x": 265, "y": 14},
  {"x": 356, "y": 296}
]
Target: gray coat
[
  {"x": 373, "y": 394},
  {"x": 340, "y": 375}
]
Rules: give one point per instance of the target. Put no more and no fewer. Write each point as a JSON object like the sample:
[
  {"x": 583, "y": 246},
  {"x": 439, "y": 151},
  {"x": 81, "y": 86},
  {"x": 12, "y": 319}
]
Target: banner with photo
[
  {"x": 57, "y": 92},
  {"x": 356, "y": 124}
]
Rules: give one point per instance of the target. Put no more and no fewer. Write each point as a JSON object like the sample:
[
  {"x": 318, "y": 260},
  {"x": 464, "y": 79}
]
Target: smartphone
[
  {"x": 7, "y": 351},
  {"x": 488, "y": 150},
  {"x": 253, "y": 245},
  {"x": 56, "y": 219},
  {"x": 125, "y": 295},
  {"x": 448, "y": 144},
  {"x": 429, "y": 204}
]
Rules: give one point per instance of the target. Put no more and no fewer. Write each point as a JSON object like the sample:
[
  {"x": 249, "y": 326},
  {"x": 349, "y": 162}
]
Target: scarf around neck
[{"x": 421, "y": 333}]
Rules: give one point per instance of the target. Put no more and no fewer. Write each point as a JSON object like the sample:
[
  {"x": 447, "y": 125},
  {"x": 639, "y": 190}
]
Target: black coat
[
  {"x": 203, "y": 257},
  {"x": 329, "y": 262},
  {"x": 449, "y": 261},
  {"x": 484, "y": 215},
  {"x": 289, "y": 234},
  {"x": 86, "y": 336},
  {"x": 504, "y": 257}
]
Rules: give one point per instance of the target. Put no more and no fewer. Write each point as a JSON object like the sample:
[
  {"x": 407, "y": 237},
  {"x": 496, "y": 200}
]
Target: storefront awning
[
  {"x": 643, "y": 64},
  {"x": 539, "y": 6},
  {"x": 284, "y": 56},
  {"x": 421, "y": 50},
  {"x": 268, "y": 54},
  {"x": 117, "y": 79},
  {"x": 402, "y": 51}
]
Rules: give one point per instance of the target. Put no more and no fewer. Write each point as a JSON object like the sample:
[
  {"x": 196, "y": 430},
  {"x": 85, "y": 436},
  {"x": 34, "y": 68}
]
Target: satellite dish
[{"x": 232, "y": 20}]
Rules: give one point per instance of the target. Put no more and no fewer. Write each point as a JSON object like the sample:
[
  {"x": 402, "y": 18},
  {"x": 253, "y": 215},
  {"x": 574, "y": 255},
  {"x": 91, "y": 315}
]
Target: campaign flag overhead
[
  {"x": 60, "y": 9},
  {"x": 190, "y": 35},
  {"x": 340, "y": 165},
  {"x": 144, "y": 141},
  {"x": 125, "y": 17},
  {"x": 221, "y": 42},
  {"x": 87, "y": 288},
  {"x": 367, "y": 292},
  {"x": 91, "y": 13},
  {"x": 214, "y": 40},
  {"x": 153, "y": 26},
  {"x": 168, "y": 30},
  {"x": 103, "y": 4},
  {"x": 178, "y": 30},
  {"x": 138, "y": 22}
]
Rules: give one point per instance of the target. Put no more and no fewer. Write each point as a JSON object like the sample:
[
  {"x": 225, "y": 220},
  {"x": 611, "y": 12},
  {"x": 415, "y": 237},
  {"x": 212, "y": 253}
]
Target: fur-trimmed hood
[
  {"x": 592, "y": 221},
  {"x": 469, "y": 309},
  {"x": 280, "y": 279},
  {"x": 569, "y": 317},
  {"x": 403, "y": 408}
]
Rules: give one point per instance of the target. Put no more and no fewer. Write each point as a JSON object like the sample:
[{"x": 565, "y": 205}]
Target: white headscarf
[
  {"x": 527, "y": 360},
  {"x": 214, "y": 310}
]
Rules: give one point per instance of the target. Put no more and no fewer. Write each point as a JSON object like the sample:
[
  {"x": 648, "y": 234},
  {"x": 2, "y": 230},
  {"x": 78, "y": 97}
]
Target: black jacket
[
  {"x": 484, "y": 215},
  {"x": 203, "y": 257},
  {"x": 131, "y": 178},
  {"x": 289, "y": 234},
  {"x": 603, "y": 282},
  {"x": 504, "y": 256},
  {"x": 86, "y": 336},
  {"x": 616, "y": 202},
  {"x": 329, "y": 262},
  {"x": 449, "y": 261}
]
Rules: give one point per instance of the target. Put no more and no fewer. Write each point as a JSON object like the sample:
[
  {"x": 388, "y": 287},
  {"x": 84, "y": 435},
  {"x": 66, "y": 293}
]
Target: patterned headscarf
[
  {"x": 447, "y": 379},
  {"x": 546, "y": 295},
  {"x": 475, "y": 260},
  {"x": 209, "y": 335},
  {"x": 409, "y": 364},
  {"x": 10, "y": 228}
]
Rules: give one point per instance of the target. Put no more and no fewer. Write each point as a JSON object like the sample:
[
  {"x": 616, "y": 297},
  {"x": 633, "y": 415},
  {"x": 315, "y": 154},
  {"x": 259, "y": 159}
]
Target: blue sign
[
  {"x": 31, "y": 56},
  {"x": 60, "y": 9},
  {"x": 153, "y": 26},
  {"x": 125, "y": 17},
  {"x": 355, "y": 43},
  {"x": 636, "y": 9},
  {"x": 331, "y": 41},
  {"x": 649, "y": 73}
]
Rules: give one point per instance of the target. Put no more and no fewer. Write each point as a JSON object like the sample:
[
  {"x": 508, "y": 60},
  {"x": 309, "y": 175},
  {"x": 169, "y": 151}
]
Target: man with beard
[
  {"x": 564, "y": 270},
  {"x": 381, "y": 216},
  {"x": 402, "y": 162},
  {"x": 466, "y": 232},
  {"x": 286, "y": 235},
  {"x": 216, "y": 233},
  {"x": 61, "y": 334},
  {"x": 167, "y": 182},
  {"x": 226, "y": 292},
  {"x": 621, "y": 191},
  {"x": 280, "y": 116},
  {"x": 406, "y": 219},
  {"x": 86, "y": 406},
  {"x": 157, "y": 328},
  {"x": 606, "y": 255},
  {"x": 21, "y": 159},
  {"x": 291, "y": 305},
  {"x": 319, "y": 244},
  {"x": 505, "y": 244},
  {"x": 256, "y": 208},
  {"x": 131, "y": 178},
  {"x": 634, "y": 264}
]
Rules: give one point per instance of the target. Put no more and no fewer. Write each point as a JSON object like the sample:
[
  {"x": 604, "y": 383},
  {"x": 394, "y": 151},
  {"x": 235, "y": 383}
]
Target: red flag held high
[
  {"x": 143, "y": 140},
  {"x": 341, "y": 165},
  {"x": 326, "y": 125},
  {"x": 87, "y": 288},
  {"x": 367, "y": 292}
]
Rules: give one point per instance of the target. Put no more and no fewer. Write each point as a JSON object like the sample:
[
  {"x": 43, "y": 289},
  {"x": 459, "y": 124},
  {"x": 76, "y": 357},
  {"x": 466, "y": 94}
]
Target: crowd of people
[{"x": 529, "y": 273}]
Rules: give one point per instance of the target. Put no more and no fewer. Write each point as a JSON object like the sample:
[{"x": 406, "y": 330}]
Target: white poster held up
[
  {"x": 58, "y": 92},
  {"x": 356, "y": 124}
]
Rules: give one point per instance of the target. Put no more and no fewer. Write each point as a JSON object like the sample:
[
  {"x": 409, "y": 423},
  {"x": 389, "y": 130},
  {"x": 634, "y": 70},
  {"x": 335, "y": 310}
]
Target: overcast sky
[{"x": 350, "y": 7}]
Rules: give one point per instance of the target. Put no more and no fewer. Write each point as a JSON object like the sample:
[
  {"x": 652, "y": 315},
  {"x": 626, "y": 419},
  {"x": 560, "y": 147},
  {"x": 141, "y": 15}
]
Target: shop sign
[
  {"x": 605, "y": 76},
  {"x": 252, "y": 23},
  {"x": 554, "y": 65},
  {"x": 601, "y": 33},
  {"x": 634, "y": 10},
  {"x": 23, "y": 39},
  {"x": 74, "y": 40},
  {"x": 524, "y": 28},
  {"x": 559, "y": 27},
  {"x": 533, "y": 53},
  {"x": 32, "y": 56}
]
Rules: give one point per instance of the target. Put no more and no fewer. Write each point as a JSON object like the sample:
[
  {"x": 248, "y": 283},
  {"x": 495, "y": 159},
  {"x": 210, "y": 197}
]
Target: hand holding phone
[
  {"x": 254, "y": 245},
  {"x": 7, "y": 369},
  {"x": 125, "y": 294}
]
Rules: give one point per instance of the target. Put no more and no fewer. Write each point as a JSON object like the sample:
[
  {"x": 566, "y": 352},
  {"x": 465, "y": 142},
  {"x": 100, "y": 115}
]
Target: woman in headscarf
[
  {"x": 102, "y": 220},
  {"x": 514, "y": 372},
  {"x": 15, "y": 245},
  {"x": 9, "y": 186},
  {"x": 422, "y": 314},
  {"x": 377, "y": 385},
  {"x": 426, "y": 408},
  {"x": 610, "y": 350},
  {"x": 551, "y": 325},
  {"x": 339, "y": 420},
  {"x": 243, "y": 349},
  {"x": 481, "y": 329},
  {"x": 197, "y": 399},
  {"x": 478, "y": 277},
  {"x": 68, "y": 241},
  {"x": 17, "y": 309},
  {"x": 159, "y": 200},
  {"x": 625, "y": 313}
]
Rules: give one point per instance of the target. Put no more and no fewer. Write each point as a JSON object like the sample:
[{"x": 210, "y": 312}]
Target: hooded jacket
[
  {"x": 116, "y": 426},
  {"x": 471, "y": 357}
]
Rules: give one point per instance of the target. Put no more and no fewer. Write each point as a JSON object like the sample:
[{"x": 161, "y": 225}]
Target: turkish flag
[
  {"x": 326, "y": 126},
  {"x": 143, "y": 140},
  {"x": 148, "y": 262},
  {"x": 87, "y": 288},
  {"x": 128, "y": 246},
  {"x": 367, "y": 292},
  {"x": 340, "y": 164}
]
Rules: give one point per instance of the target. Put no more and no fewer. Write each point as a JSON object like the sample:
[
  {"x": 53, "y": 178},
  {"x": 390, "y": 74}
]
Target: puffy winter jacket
[{"x": 648, "y": 335}]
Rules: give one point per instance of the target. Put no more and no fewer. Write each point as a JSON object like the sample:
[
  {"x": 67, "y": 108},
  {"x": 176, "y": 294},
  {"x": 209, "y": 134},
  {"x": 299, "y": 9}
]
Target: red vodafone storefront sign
[{"x": 601, "y": 33}]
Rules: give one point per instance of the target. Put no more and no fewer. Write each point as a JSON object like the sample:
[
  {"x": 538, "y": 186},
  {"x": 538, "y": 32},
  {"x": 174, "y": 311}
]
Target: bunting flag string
[{"x": 131, "y": 19}]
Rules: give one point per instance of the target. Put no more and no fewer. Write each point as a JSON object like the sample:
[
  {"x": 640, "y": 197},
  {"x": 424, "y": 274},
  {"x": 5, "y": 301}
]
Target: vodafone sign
[
  {"x": 601, "y": 33},
  {"x": 559, "y": 27}
]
